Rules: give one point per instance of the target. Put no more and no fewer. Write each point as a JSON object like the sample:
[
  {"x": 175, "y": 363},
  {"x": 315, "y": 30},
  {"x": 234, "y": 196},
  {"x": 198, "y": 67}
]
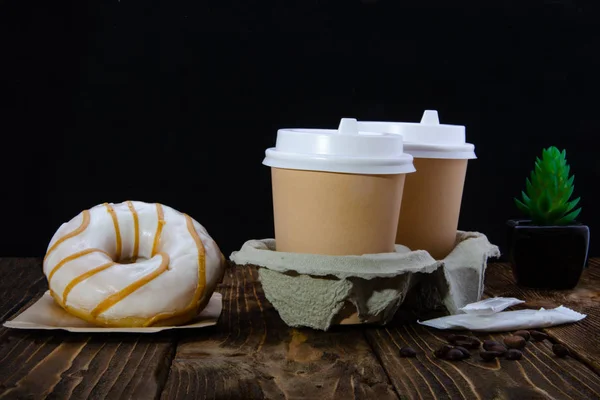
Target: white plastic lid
[
  {"x": 344, "y": 150},
  {"x": 427, "y": 139}
]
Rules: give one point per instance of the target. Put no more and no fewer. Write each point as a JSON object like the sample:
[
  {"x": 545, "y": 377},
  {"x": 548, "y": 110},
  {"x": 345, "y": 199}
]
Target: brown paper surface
[
  {"x": 431, "y": 206},
  {"x": 46, "y": 314},
  {"x": 334, "y": 213}
]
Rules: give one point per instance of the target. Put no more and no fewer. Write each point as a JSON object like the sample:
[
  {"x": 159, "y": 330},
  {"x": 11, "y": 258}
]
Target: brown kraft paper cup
[
  {"x": 431, "y": 205},
  {"x": 335, "y": 213}
]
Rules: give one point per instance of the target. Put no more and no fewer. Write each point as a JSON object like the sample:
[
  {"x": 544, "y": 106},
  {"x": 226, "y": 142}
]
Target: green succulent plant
[{"x": 546, "y": 199}]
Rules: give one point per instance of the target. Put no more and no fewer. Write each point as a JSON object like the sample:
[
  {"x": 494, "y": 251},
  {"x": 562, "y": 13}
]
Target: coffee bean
[
  {"x": 407, "y": 352},
  {"x": 487, "y": 355},
  {"x": 466, "y": 353},
  {"x": 538, "y": 336},
  {"x": 499, "y": 348},
  {"x": 454, "y": 355},
  {"x": 462, "y": 343},
  {"x": 455, "y": 338},
  {"x": 515, "y": 342},
  {"x": 488, "y": 344},
  {"x": 513, "y": 354},
  {"x": 470, "y": 343},
  {"x": 560, "y": 350},
  {"x": 442, "y": 351},
  {"x": 524, "y": 334}
]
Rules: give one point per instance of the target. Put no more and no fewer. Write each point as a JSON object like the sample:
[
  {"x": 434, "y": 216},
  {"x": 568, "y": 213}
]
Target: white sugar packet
[
  {"x": 490, "y": 306},
  {"x": 484, "y": 317}
]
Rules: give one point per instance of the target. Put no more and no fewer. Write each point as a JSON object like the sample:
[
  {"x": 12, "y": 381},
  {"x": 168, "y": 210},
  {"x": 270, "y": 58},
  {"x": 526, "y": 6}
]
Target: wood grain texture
[
  {"x": 582, "y": 338},
  {"x": 539, "y": 375},
  {"x": 252, "y": 354},
  {"x": 74, "y": 366},
  {"x": 21, "y": 280},
  {"x": 61, "y": 365}
]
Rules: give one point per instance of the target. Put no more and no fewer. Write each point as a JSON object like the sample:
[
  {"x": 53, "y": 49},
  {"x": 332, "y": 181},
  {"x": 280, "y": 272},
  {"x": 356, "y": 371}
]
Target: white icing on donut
[{"x": 93, "y": 271}]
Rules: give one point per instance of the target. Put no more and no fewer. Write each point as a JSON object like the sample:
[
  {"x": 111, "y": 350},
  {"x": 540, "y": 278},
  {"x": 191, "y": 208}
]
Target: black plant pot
[{"x": 547, "y": 257}]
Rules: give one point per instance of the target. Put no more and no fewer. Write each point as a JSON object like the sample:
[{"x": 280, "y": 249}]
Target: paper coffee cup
[
  {"x": 433, "y": 195},
  {"x": 337, "y": 192}
]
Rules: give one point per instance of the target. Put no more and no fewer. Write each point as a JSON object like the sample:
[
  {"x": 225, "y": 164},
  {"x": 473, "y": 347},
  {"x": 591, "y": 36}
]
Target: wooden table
[{"x": 252, "y": 354}]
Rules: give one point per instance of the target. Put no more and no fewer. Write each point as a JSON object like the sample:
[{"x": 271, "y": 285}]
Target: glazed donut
[{"x": 133, "y": 264}]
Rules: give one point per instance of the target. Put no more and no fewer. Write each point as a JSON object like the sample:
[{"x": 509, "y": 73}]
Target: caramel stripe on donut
[
  {"x": 159, "y": 226},
  {"x": 72, "y": 257},
  {"x": 123, "y": 293},
  {"x": 84, "y": 224},
  {"x": 83, "y": 277},
  {"x": 201, "y": 261},
  {"x": 201, "y": 277},
  {"x": 113, "y": 215},
  {"x": 136, "y": 227}
]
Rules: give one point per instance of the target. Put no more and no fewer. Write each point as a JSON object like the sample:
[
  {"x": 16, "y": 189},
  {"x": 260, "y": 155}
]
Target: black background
[{"x": 176, "y": 102}]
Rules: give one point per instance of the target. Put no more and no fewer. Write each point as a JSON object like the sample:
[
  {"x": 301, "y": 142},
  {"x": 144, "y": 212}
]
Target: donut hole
[{"x": 129, "y": 260}]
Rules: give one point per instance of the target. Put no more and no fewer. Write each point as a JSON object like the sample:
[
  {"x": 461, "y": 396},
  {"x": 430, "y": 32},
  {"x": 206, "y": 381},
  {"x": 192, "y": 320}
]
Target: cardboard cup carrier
[
  {"x": 337, "y": 192},
  {"x": 432, "y": 195}
]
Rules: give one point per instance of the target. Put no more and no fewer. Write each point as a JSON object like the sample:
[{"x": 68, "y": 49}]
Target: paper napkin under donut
[
  {"x": 318, "y": 291},
  {"x": 45, "y": 314}
]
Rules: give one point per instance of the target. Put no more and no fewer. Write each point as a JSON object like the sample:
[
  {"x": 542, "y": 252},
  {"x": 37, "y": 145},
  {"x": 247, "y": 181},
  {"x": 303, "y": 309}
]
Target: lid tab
[
  {"x": 430, "y": 117},
  {"x": 348, "y": 126}
]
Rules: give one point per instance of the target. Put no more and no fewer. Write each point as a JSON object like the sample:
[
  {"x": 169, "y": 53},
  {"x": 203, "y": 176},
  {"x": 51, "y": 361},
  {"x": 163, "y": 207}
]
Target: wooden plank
[
  {"x": 252, "y": 354},
  {"x": 539, "y": 375},
  {"x": 581, "y": 338},
  {"x": 55, "y": 364},
  {"x": 21, "y": 283},
  {"x": 21, "y": 280},
  {"x": 82, "y": 366}
]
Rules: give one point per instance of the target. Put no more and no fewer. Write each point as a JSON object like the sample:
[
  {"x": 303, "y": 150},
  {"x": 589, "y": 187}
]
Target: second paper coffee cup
[
  {"x": 433, "y": 195},
  {"x": 337, "y": 192}
]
